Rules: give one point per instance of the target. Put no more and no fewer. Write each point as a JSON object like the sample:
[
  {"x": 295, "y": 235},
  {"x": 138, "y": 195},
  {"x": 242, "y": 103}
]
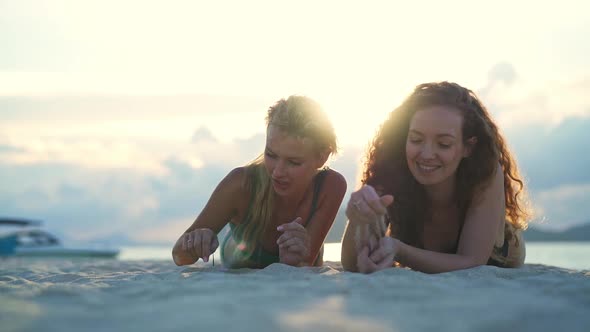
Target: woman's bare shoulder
[
  {"x": 233, "y": 183},
  {"x": 334, "y": 181}
]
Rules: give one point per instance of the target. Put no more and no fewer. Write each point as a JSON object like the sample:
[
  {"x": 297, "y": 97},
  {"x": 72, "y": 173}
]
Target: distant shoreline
[{"x": 580, "y": 233}]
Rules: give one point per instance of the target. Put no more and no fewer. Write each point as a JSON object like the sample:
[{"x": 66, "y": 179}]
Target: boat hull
[{"x": 64, "y": 252}]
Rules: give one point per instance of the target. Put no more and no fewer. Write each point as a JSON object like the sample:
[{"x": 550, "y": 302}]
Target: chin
[
  {"x": 426, "y": 180},
  {"x": 281, "y": 191}
]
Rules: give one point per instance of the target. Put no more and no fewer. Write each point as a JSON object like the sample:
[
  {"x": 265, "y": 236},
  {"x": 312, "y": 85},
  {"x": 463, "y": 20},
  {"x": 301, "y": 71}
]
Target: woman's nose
[
  {"x": 427, "y": 151},
  {"x": 279, "y": 169}
]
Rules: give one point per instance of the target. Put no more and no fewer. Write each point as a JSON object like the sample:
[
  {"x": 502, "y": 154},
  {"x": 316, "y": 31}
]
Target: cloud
[
  {"x": 563, "y": 205},
  {"x": 91, "y": 153},
  {"x": 88, "y": 203},
  {"x": 523, "y": 104},
  {"x": 203, "y": 134},
  {"x": 93, "y": 188},
  {"x": 502, "y": 73},
  {"x": 9, "y": 149},
  {"x": 550, "y": 157}
]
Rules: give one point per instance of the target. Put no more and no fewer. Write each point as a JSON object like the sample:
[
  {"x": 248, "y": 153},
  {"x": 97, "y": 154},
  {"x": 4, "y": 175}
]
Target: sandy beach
[{"x": 111, "y": 295}]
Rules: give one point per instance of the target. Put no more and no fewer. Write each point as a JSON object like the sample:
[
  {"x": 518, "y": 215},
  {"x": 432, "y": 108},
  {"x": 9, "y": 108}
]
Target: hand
[
  {"x": 381, "y": 258},
  {"x": 294, "y": 243},
  {"x": 365, "y": 236},
  {"x": 366, "y": 207},
  {"x": 200, "y": 243}
]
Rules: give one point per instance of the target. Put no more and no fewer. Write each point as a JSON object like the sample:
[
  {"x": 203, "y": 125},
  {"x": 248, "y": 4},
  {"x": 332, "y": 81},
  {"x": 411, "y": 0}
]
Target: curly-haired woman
[{"x": 442, "y": 177}]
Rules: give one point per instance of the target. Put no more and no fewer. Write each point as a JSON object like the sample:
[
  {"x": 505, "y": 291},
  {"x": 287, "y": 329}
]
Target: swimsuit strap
[{"x": 316, "y": 192}]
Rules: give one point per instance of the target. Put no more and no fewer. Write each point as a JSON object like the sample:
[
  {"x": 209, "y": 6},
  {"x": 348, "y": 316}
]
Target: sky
[{"x": 118, "y": 118}]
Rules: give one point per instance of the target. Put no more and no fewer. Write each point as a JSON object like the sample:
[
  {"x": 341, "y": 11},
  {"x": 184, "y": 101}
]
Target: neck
[
  {"x": 293, "y": 200},
  {"x": 442, "y": 194},
  {"x": 296, "y": 198}
]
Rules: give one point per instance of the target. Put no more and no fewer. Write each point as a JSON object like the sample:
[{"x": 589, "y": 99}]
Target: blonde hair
[{"x": 297, "y": 116}]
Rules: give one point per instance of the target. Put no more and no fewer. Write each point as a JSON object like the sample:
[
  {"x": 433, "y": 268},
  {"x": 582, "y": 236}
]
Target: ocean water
[{"x": 570, "y": 255}]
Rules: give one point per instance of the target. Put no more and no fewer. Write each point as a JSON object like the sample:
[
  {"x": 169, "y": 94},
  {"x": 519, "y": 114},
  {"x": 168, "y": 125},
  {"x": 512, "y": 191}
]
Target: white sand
[{"x": 111, "y": 295}]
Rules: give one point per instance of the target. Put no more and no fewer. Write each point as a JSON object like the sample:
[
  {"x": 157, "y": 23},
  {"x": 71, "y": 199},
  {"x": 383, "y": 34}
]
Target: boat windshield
[{"x": 36, "y": 238}]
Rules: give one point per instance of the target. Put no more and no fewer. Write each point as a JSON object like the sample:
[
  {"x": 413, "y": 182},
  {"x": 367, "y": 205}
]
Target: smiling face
[
  {"x": 434, "y": 147},
  {"x": 290, "y": 161}
]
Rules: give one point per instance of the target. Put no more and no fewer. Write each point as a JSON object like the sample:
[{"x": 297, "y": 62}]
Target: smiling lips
[{"x": 427, "y": 168}]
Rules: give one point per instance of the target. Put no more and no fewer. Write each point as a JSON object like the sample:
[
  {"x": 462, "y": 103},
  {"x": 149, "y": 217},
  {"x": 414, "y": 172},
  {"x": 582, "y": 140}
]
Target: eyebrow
[
  {"x": 413, "y": 131},
  {"x": 295, "y": 158}
]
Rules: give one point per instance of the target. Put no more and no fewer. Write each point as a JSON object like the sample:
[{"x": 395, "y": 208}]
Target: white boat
[{"x": 27, "y": 239}]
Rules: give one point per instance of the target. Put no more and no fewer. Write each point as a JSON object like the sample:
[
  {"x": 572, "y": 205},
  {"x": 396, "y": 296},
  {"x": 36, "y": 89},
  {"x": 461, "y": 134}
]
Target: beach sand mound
[{"x": 110, "y": 295}]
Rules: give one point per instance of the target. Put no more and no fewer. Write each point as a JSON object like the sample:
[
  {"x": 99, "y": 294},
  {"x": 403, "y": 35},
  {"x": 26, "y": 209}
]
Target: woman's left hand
[
  {"x": 381, "y": 258},
  {"x": 294, "y": 243}
]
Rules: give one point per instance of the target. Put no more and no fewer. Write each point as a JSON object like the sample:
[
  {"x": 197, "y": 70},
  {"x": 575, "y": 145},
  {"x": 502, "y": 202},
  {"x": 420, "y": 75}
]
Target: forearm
[
  {"x": 430, "y": 261},
  {"x": 348, "y": 254}
]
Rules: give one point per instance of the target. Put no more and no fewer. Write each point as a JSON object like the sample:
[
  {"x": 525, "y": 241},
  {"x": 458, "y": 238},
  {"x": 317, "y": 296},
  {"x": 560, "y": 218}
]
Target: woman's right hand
[
  {"x": 199, "y": 243},
  {"x": 381, "y": 258},
  {"x": 366, "y": 207}
]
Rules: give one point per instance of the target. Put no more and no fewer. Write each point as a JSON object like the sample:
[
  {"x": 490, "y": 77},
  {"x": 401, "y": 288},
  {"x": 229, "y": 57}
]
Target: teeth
[{"x": 427, "y": 168}]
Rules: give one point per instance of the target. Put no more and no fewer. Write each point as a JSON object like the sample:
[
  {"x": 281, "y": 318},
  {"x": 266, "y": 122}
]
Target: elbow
[{"x": 473, "y": 261}]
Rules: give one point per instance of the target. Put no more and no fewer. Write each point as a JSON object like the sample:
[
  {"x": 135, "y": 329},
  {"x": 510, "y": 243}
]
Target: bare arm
[
  {"x": 476, "y": 240},
  {"x": 333, "y": 190},
  {"x": 220, "y": 208}
]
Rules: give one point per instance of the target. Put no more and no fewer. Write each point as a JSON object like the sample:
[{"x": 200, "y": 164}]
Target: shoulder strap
[{"x": 316, "y": 192}]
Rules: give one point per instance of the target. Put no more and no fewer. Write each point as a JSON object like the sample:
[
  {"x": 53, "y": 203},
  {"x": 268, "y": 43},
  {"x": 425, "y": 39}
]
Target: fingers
[
  {"x": 380, "y": 254},
  {"x": 381, "y": 258},
  {"x": 294, "y": 234},
  {"x": 194, "y": 244},
  {"x": 384, "y": 255},
  {"x": 387, "y": 262},
  {"x": 200, "y": 243},
  {"x": 376, "y": 203},
  {"x": 386, "y": 200},
  {"x": 361, "y": 237},
  {"x": 183, "y": 242},
  {"x": 298, "y": 248},
  {"x": 373, "y": 243},
  {"x": 364, "y": 264},
  {"x": 292, "y": 226},
  {"x": 189, "y": 242},
  {"x": 365, "y": 205},
  {"x": 205, "y": 246},
  {"x": 293, "y": 241}
]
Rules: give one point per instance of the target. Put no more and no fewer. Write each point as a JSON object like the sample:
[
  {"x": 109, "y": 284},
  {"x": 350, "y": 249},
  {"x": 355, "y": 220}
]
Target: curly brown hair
[{"x": 386, "y": 167}]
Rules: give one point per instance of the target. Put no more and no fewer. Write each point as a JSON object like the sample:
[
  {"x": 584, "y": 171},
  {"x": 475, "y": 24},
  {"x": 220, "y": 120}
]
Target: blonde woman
[{"x": 281, "y": 206}]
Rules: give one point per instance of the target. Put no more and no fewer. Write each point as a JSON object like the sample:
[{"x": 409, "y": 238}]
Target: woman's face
[
  {"x": 434, "y": 147},
  {"x": 290, "y": 161}
]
